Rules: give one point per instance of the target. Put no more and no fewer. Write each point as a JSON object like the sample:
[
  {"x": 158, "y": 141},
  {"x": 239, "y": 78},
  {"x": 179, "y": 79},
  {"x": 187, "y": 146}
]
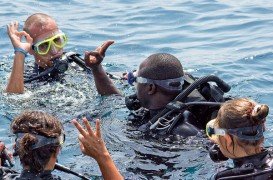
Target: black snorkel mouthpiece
[
  {"x": 132, "y": 103},
  {"x": 60, "y": 65},
  {"x": 215, "y": 154}
]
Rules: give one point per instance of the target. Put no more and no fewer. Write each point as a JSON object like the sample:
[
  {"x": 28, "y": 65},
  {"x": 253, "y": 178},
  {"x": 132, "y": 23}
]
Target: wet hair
[
  {"x": 37, "y": 19},
  {"x": 161, "y": 66},
  {"x": 40, "y": 123},
  {"x": 242, "y": 112}
]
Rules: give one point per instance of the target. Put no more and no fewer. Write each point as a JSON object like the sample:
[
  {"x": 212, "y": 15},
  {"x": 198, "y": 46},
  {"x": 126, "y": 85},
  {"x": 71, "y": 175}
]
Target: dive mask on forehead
[
  {"x": 42, "y": 140},
  {"x": 59, "y": 40},
  {"x": 252, "y": 133},
  {"x": 168, "y": 84}
]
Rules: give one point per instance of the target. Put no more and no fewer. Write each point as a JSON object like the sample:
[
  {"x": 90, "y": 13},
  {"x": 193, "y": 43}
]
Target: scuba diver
[
  {"x": 39, "y": 138},
  {"x": 238, "y": 133},
  {"x": 167, "y": 100},
  {"x": 45, "y": 41}
]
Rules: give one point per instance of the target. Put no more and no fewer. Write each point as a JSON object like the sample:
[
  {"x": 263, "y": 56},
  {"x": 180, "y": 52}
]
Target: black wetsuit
[
  {"x": 8, "y": 174},
  {"x": 256, "y": 167},
  {"x": 33, "y": 71}
]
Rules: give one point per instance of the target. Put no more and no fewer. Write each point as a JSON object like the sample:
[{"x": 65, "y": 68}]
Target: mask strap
[{"x": 41, "y": 140}]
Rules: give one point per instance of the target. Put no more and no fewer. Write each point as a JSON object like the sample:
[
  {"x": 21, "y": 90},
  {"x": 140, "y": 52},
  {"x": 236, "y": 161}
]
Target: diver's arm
[
  {"x": 92, "y": 144},
  {"x": 16, "y": 80},
  {"x": 104, "y": 84},
  {"x": 108, "y": 168},
  {"x": 93, "y": 59}
]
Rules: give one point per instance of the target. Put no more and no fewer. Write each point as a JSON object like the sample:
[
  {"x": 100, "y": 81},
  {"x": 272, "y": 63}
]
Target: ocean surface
[{"x": 231, "y": 39}]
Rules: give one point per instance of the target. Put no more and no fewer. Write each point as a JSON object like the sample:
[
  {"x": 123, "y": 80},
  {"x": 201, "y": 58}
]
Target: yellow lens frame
[{"x": 50, "y": 42}]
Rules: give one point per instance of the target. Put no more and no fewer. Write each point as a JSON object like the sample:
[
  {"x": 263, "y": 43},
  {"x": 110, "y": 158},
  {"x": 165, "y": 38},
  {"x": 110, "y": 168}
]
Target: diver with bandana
[
  {"x": 238, "y": 133},
  {"x": 159, "y": 81},
  {"x": 45, "y": 41}
]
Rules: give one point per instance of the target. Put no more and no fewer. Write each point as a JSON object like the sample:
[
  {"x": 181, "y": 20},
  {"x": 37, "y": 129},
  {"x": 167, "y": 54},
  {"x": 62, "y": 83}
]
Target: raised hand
[
  {"x": 94, "y": 58},
  {"x": 91, "y": 143},
  {"x": 16, "y": 37}
]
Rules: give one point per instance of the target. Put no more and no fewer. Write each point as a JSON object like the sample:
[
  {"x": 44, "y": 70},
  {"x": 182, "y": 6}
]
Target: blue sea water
[{"x": 232, "y": 39}]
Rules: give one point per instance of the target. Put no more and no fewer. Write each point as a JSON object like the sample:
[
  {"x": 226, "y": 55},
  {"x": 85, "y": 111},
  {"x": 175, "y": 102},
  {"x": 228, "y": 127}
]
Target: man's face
[{"x": 42, "y": 33}]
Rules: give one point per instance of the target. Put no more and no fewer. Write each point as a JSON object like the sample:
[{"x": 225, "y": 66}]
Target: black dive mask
[
  {"x": 215, "y": 154},
  {"x": 132, "y": 103}
]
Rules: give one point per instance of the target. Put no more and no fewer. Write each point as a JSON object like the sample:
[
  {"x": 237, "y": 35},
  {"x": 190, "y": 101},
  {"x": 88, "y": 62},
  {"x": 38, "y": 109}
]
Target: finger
[
  {"x": 79, "y": 127},
  {"x": 12, "y": 30},
  {"x": 88, "y": 127},
  {"x": 16, "y": 24},
  {"x": 99, "y": 47},
  {"x": 105, "y": 46},
  {"x": 19, "y": 34},
  {"x": 82, "y": 147},
  {"x": 28, "y": 38},
  {"x": 8, "y": 29},
  {"x": 98, "y": 132},
  {"x": 81, "y": 138}
]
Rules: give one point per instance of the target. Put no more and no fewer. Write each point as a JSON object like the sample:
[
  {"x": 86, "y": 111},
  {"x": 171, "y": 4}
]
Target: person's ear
[
  {"x": 152, "y": 89},
  {"x": 229, "y": 141}
]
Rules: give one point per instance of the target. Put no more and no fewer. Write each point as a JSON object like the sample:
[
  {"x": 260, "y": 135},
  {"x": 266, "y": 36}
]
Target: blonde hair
[{"x": 242, "y": 112}]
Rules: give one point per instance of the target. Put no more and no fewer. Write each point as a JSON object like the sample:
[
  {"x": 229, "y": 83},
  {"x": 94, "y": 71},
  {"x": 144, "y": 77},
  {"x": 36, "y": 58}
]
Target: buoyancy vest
[{"x": 190, "y": 121}]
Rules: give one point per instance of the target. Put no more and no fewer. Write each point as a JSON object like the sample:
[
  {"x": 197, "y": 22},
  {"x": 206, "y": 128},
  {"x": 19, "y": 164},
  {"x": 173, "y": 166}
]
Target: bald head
[
  {"x": 38, "y": 23},
  {"x": 161, "y": 66}
]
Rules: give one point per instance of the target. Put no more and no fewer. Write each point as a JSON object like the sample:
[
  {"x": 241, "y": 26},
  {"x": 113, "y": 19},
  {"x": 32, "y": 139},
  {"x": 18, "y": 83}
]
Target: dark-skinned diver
[
  {"x": 237, "y": 132},
  {"x": 167, "y": 100}
]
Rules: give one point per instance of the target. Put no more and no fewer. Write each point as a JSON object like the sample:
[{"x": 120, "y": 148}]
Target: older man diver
[
  {"x": 45, "y": 41},
  {"x": 167, "y": 100}
]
